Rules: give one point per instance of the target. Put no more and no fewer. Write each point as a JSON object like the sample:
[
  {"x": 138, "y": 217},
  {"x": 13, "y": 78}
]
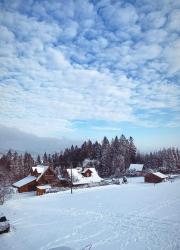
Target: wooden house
[
  {"x": 44, "y": 175},
  {"x": 39, "y": 175},
  {"x": 84, "y": 176},
  {"x": 155, "y": 177},
  {"x": 26, "y": 184}
]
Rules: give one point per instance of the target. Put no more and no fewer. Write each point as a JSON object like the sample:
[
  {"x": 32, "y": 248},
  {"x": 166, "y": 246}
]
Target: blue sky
[{"x": 84, "y": 69}]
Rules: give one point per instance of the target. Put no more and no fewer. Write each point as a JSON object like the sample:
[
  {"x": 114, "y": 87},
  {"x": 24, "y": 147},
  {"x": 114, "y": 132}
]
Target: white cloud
[
  {"x": 146, "y": 52},
  {"x": 155, "y": 36},
  {"x": 154, "y": 20},
  {"x": 106, "y": 128},
  {"x": 172, "y": 55},
  {"x": 86, "y": 61},
  {"x": 118, "y": 16},
  {"x": 6, "y": 35},
  {"x": 174, "y": 20}
]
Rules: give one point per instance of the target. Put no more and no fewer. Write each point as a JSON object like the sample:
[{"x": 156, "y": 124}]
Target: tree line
[
  {"x": 168, "y": 159},
  {"x": 110, "y": 158}
]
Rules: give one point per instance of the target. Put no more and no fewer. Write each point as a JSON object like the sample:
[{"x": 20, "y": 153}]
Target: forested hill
[{"x": 111, "y": 158}]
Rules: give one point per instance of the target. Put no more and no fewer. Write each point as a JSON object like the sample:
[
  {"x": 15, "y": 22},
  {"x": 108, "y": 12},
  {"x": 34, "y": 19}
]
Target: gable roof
[
  {"x": 136, "y": 167},
  {"x": 24, "y": 181},
  {"x": 41, "y": 169},
  {"x": 160, "y": 175},
  {"x": 78, "y": 178}
]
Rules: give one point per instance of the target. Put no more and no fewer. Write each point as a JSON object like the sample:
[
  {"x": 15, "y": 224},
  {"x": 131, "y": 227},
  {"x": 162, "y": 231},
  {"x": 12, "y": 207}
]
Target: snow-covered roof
[
  {"x": 78, "y": 178},
  {"x": 160, "y": 175},
  {"x": 41, "y": 169},
  {"x": 44, "y": 187},
  {"x": 24, "y": 181},
  {"x": 136, "y": 167}
]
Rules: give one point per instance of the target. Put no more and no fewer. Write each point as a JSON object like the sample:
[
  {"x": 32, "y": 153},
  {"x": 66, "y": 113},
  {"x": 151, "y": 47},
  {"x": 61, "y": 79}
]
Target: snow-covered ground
[{"x": 134, "y": 216}]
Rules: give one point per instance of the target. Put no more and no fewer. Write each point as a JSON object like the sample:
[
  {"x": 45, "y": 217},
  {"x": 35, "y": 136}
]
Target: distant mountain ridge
[{"x": 15, "y": 139}]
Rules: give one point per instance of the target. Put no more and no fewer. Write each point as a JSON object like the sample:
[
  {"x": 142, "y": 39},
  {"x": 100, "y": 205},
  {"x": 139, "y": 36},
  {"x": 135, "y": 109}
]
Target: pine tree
[
  {"x": 90, "y": 150},
  {"x": 45, "y": 159},
  {"x": 118, "y": 150},
  {"x": 97, "y": 151},
  {"x": 132, "y": 150},
  {"x": 105, "y": 163},
  {"x": 38, "y": 160}
]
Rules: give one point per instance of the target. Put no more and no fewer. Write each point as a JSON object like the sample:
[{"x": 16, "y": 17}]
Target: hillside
[{"x": 129, "y": 217}]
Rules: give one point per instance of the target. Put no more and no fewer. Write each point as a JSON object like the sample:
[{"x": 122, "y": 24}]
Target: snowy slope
[{"x": 136, "y": 216}]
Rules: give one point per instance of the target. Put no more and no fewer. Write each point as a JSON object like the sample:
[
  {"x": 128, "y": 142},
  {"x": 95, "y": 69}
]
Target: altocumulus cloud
[{"x": 105, "y": 60}]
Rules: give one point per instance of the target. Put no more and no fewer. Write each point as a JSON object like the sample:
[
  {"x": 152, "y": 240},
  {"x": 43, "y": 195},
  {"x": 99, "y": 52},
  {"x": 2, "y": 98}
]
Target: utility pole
[{"x": 71, "y": 179}]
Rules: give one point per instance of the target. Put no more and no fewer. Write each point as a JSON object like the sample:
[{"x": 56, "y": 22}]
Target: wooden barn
[
  {"x": 155, "y": 177},
  {"x": 26, "y": 184},
  {"x": 39, "y": 175}
]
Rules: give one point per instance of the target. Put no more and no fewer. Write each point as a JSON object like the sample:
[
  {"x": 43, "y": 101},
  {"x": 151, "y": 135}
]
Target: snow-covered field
[{"x": 136, "y": 216}]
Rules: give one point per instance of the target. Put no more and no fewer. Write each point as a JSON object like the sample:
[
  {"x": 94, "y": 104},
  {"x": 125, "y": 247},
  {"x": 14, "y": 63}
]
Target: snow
[
  {"x": 136, "y": 167},
  {"x": 79, "y": 179},
  {"x": 173, "y": 176},
  {"x": 133, "y": 216},
  {"x": 41, "y": 169},
  {"x": 24, "y": 181},
  {"x": 162, "y": 176},
  {"x": 44, "y": 187}
]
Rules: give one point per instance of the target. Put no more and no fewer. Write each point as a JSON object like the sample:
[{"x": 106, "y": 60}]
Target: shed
[
  {"x": 40, "y": 190},
  {"x": 26, "y": 184},
  {"x": 155, "y": 177}
]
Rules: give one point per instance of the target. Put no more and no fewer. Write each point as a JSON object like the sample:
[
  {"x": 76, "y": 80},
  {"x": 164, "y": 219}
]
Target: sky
[{"x": 84, "y": 69}]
